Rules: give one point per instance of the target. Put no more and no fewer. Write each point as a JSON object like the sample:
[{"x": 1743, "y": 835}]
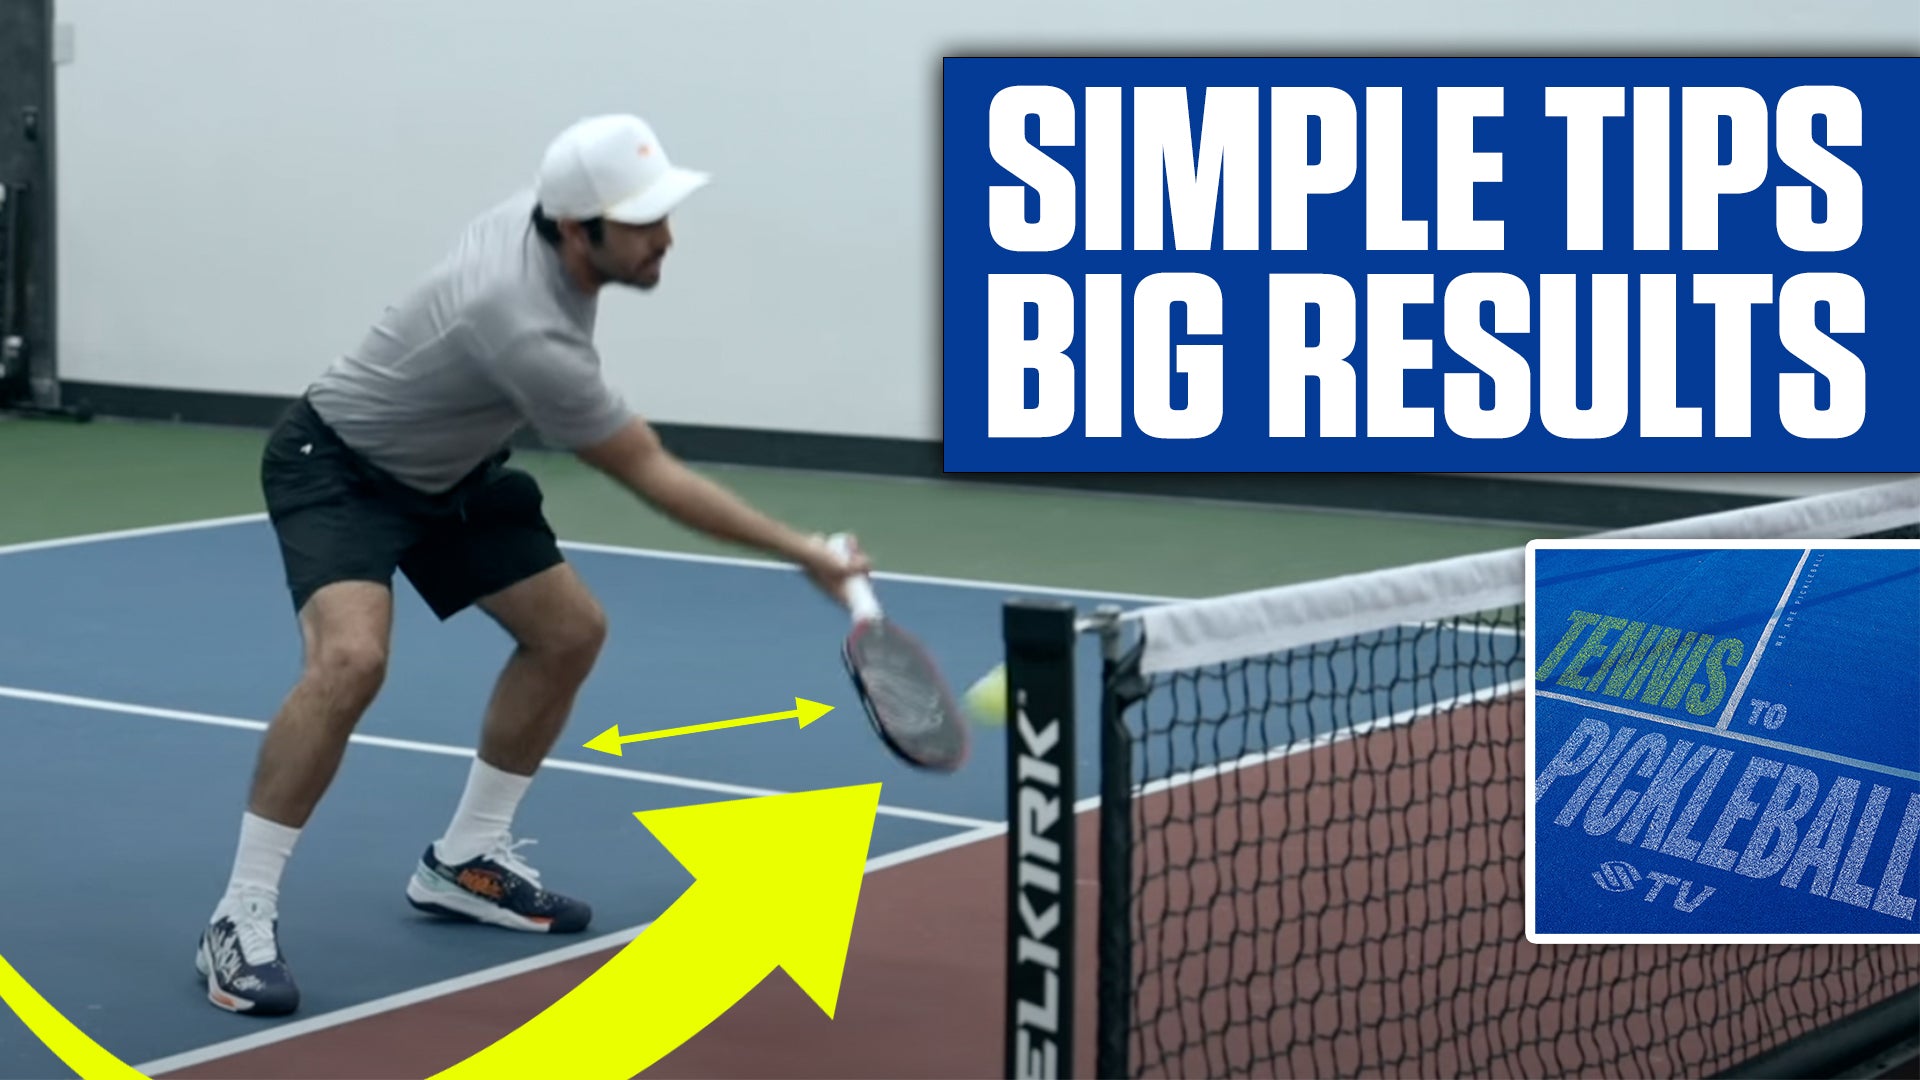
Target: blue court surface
[
  {"x": 1725, "y": 741},
  {"x": 136, "y": 673}
]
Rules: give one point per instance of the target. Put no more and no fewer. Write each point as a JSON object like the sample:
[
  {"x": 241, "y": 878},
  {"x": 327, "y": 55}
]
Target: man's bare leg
[
  {"x": 558, "y": 630},
  {"x": 347, "y": 628}
]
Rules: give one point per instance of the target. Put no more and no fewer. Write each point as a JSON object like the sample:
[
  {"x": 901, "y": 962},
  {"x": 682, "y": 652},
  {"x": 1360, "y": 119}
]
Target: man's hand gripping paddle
[{"x": 902, "y": 690}]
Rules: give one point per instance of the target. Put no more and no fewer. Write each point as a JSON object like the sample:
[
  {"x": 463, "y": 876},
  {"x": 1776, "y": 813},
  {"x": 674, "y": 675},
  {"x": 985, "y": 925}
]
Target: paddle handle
[{"x": 860, "y": 599}]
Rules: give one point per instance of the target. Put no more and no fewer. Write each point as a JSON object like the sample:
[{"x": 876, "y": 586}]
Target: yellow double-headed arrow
[{"x": 610, "y": 741}]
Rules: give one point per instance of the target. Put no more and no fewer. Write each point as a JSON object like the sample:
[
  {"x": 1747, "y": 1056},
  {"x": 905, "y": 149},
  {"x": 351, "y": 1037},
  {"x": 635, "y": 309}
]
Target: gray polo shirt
[{"x": 496, "y": 338}]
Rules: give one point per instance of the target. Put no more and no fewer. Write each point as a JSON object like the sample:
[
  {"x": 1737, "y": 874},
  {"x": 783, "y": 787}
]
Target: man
[{"x": 395, "y": 459}]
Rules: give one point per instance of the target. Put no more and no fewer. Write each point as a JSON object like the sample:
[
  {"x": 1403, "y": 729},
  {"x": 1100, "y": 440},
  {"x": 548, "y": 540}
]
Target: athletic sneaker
[
  {"x": 239, "y": 956},
  {"x": 494, "y": 887}
]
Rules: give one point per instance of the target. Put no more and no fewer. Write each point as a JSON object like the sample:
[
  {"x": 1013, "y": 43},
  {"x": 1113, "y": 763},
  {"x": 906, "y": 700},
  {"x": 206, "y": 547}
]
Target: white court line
[
  {"x": 418, "y": 995},
  {"x": 661, "y": 554},
  {"x": 1838, "y": 759},
  {"x": 1753, "y": 662},
  {"x": 129, "y": 534},
  {"x": 743, "y": 562},
  {"x": 878, "y": 575},
  {"x": 446, "y": 750}
]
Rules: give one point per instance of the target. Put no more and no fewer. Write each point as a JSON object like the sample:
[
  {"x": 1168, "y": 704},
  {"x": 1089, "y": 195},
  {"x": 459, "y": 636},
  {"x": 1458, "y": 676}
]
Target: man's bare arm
[{"x": 636, "y": 459}]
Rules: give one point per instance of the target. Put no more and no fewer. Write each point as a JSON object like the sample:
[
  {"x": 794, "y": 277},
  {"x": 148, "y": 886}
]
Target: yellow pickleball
[{"x": 986, "y": 699}]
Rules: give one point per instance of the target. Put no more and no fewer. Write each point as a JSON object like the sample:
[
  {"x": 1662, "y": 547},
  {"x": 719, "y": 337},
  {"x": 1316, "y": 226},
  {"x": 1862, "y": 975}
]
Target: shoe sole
[
  {"x": 428, "y": 893},
  {"x": 232, "y": 1003}
]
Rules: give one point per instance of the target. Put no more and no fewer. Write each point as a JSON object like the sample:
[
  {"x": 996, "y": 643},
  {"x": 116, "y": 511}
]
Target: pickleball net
[{"x": 1306, "y": 853}]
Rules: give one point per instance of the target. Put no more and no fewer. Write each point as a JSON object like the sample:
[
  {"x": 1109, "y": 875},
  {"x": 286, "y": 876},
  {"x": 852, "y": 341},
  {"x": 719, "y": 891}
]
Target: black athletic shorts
[{"x": 339, "y": 517}]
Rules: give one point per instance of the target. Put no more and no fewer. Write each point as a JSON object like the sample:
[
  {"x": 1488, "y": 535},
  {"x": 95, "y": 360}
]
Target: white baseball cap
[{"x": 613, "y": 167}]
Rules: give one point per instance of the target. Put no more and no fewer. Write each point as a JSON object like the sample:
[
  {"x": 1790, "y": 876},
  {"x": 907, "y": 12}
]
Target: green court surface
[{"x": 63, "y": 479}]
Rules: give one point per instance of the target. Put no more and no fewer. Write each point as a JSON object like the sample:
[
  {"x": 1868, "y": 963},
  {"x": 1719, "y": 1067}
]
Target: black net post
[
  {"x": 1040, "y": 638},
  {"x": 1871, "y": 1042},
  {"x": 1119, "y": 689}
]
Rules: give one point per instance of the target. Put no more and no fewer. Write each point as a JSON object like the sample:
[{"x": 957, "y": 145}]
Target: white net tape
[{"x": 1196, "y": 633}]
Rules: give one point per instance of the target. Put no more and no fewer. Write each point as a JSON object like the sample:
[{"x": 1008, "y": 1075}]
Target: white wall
[{"x": 245, "y": 183}]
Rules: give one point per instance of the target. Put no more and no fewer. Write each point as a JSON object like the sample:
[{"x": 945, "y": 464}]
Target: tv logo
[{"x": 1619, "y": 877}]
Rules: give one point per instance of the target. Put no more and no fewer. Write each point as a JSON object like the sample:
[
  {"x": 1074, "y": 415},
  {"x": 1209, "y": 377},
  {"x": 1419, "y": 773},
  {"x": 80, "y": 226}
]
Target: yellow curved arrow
[
  {"x": 776, "y": 882},
  {"x": 88, "y": 1059},
  {"x": 610, "y": 741}
]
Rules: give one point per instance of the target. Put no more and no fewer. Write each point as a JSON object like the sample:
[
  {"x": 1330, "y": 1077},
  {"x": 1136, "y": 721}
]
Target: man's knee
[
  {"x": 554, "y": 617},
  {"x": 350, "y": 668},
  {"x": 574, "y": 636},
  {"x": 347, "y": 626}
]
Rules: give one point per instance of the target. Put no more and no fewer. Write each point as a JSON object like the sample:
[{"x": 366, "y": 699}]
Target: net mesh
[{"x": 1325, "y": 840}]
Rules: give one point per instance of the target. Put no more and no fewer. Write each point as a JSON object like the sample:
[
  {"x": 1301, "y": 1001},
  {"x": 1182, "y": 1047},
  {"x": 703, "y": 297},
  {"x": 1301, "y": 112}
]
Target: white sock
[
  {"x": 485, "y": 813},
  {"x": 265, "y": 847}
]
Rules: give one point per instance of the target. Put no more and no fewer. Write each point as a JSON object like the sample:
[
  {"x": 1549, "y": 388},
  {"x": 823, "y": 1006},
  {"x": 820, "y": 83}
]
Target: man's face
[{"x": 629, "y": 254}]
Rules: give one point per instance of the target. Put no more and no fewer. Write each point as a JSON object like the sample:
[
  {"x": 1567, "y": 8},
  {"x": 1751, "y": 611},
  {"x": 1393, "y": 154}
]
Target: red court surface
[
  {"x": 922, "y": 997},
  {"x": 1357, "y": 910}
]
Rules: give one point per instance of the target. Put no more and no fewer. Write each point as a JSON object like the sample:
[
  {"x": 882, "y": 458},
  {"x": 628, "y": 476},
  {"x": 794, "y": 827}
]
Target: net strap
[{"x": 1221, "y": 629}]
